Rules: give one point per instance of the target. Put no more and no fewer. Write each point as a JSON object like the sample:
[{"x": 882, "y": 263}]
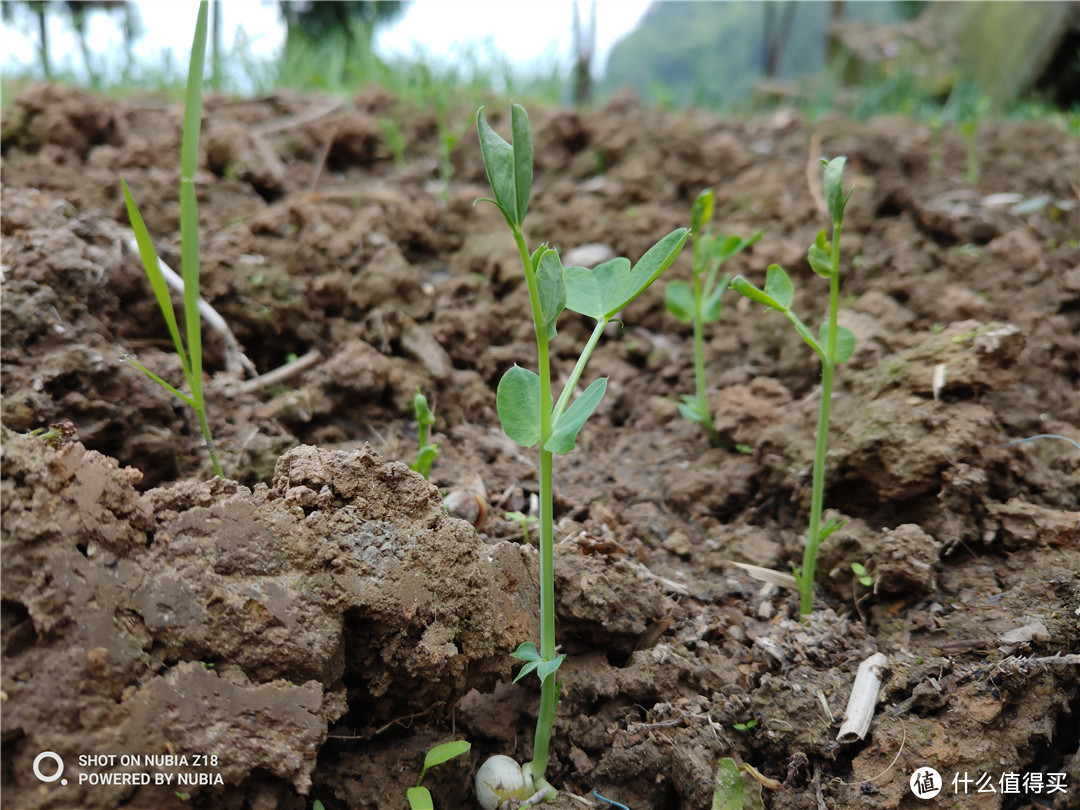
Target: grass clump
[
  {"x": 833, "y": 345},
  {"x": 529, "y": 414},
  {"x": 190, "y": 355},
  {"x": 700, "y": 302}
]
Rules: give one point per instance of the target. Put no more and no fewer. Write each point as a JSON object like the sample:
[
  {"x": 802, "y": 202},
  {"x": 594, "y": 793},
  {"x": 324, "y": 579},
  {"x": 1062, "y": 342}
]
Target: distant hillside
[{"x": 713, "y": 52}]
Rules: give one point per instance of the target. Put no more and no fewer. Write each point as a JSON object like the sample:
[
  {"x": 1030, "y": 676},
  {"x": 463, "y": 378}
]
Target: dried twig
[
  {"x": 236, "y": 362},
  {"x": 278, "y": 375},
  {"x": 296, "y": 120}
]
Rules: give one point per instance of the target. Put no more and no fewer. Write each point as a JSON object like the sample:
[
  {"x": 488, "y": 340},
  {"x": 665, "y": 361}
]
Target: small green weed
[
  {"x": 699, "y": 303},
  {"x": 426, "y": 452},
  {"x": 420, "y": 797},
  {"x": 862, "y": 575},
  {"x": 523, "y": 521},
  {"x": 190, "y": 357},
  {"x": 833, "y": 345}
]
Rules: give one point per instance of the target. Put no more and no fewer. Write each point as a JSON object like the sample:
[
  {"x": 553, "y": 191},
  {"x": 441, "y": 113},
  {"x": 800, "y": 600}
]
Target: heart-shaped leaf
[
  {"x": 551, "y": 286},
  {"x": 594, "y": 292},
  {"x": 569, "y": 423},
  {"x": 517, "y": 400},
  {"x": 526, "y": 651},
  {"x": 679, "y": 299},
  {"x": 656, "y": 260},
  {"x": 845, "y": 342},
  {"x": 778, "y": 286},
  {"x": 547, "y": 668}
]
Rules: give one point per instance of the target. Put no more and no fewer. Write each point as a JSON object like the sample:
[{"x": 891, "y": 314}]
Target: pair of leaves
[
  {"x": 509, "y": 167},
  {"x": 518, "y": 402},
  {"x": 528, "y": 653},
  {"x": 609, "y": 287},
  {"x": 679, "y": 299},
  {"x": 690, "y": 409},
  {"x": 779, "y": 293}
]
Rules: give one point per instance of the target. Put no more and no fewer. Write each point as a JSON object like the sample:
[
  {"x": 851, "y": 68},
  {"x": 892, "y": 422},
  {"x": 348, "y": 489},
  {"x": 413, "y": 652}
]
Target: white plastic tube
[{"x": 863, "y": 700}]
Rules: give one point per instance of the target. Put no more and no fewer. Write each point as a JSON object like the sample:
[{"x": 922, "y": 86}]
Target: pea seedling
[
  {"x": 700, "y": 303},
  {"x": 528, "y": 413},
  {"x": 523, "y": 520},
  {"x": 426, "y": 453},
  {"x": 191, "y": 357},
  {"x": 420, "y": 797},
  {"x": 833, "y": 345}
]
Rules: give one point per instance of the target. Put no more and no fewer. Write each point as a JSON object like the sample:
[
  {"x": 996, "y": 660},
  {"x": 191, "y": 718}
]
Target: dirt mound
[{"x": 318, "y": 621}]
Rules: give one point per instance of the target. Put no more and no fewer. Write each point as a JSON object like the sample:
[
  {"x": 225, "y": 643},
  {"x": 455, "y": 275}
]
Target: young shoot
[
  {"x": 190, "y": 357},
  {"x": 426, "y": 452},
  {"x": 420, "y": 797},
  {"x": 833, "y": 345},
  {"x": 530, "y": 415},
  {"x": 523, "y": 520},
  {"x": 699, "y": 302}
]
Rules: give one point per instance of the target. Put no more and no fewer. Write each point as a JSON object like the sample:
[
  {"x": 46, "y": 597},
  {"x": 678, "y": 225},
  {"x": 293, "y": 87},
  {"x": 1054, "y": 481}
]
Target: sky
[{"x": 523, "y": 32}]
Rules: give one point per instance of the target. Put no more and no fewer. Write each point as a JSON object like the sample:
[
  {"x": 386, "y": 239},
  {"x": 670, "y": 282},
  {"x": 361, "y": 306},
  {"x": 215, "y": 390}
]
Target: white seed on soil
[
  {"x": 499, "y": 781},
  {"x": 462, "y": 503}
]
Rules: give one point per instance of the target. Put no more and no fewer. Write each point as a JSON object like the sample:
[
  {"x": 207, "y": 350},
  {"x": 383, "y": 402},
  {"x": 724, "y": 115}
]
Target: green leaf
[
  {"x": 526, "y": 651},
  {"x": 499, "y": 163},
  {"x": 701, "y": 213},
  {"x": 859, "y": 569},
  {"x": 424, "y": 415},
  {"x": 735, "y": 244},
  {"x": 690, "y": 409},
  {"x": 656, "y": 260},
  {"x": 713, "y": 306},
  {"x": 834, "y": 189},
  {"x": 317, "y": 805},
  {"x": 551, "y": 286},
  {"x": 419, "y": 798},
  {"x": 600, "y": 293},
  {"x": 594, "y": 292},
  {"x": 523, "y": 158},
  {"x": 828, "y": 527},
  {"x": 154, "y": 274},
  {"x": 679, "y": 299},
  {"x": 569, "y": 423},
  {"x": 444, "y": 752},
  {"x": 728, "y": 794},
  {"x": 517, "y": 400},
  {"x": 845, "y": 342},
  {"x": 778, "y": 286},
  {"x": 525, "y": 670},
  {"x": 820, "y": 256},
  {"x": 547, "y": 668}
]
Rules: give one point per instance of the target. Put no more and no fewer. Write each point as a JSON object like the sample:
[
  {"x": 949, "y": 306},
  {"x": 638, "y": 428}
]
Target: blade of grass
[{"x": 189, "y": 210}]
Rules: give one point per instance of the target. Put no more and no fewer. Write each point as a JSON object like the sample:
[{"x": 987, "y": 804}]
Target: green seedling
[
  {"x": 523, "y": 520},
  {"x": 529, "y": 414},
  {"x": 700, "y": 303},
  {"x": 746, "y": 727},
  {"x": 425, "y": 453},
  {"x": 191, "y": 356},
  {"x": 833, "y": 345},
  {"x": 395, "y": 140},
  {"x": 862, "y": 575},
  {"x": 420, "y": 797}
]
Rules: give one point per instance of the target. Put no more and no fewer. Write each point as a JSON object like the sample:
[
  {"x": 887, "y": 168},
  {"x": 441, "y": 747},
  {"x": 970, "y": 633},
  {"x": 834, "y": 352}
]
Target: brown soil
[{"x": 319, "y": 621}]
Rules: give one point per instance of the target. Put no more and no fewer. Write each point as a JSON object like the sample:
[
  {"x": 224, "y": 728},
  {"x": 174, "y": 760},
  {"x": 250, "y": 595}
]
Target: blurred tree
[
  {"x": 37, "y": 8},
  {"x": 325, "y": 24},
  {"x": 776, "y": 34},
  {"x": 79, "y": 11},
  {"x": 584, "y": 47}
]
